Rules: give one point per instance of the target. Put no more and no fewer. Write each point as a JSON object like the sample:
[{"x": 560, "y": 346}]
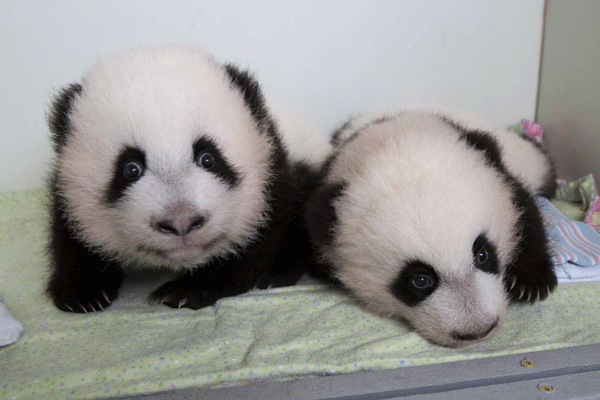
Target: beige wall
[{"x": 569, "y": 93}]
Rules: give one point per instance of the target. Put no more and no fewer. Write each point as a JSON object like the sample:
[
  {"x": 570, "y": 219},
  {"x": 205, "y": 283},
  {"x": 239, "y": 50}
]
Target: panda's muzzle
[
  {"x": 474, "y": 336},
  {"x": 180, "y": 226}
]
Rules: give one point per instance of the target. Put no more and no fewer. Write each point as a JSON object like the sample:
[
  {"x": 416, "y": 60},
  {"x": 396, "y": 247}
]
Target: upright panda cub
[
  {"x": 429, "y": 217},
  {"x": 167, "y": 159}
]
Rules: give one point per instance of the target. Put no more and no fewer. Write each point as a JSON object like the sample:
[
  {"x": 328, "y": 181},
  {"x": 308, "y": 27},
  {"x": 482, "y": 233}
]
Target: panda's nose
[
  {"x": 180, "y": 226},
  {"x": 474, "y": 335}
]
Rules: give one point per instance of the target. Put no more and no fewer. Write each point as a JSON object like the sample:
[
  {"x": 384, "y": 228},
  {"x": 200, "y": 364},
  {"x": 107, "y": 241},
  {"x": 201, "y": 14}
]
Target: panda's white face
[
  {"x": 164, "y": 165},
  {"x": 424, "y": 228}
]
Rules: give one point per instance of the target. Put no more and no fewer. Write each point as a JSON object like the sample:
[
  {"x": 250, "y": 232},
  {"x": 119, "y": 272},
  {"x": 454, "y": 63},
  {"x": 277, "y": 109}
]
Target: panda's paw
[
  {"x": 267, "y": 280},
  {"x": 530, "y": 288},
  {"x": 83, "y": 299},
  {"x": 175, "y": 294}
]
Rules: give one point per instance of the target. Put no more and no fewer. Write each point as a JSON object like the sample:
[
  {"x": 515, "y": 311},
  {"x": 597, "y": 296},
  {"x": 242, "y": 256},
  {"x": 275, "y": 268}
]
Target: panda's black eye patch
[
  {"x": 415, "y": 283},
  {"x": 484, "y": 255},
  {"x": 129, "y": 168},
  {"x": 208, "y": 157}
]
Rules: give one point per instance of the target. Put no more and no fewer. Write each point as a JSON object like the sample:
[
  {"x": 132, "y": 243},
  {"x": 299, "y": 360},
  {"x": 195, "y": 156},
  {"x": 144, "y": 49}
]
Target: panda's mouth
[{"x": 183, "y": 251}]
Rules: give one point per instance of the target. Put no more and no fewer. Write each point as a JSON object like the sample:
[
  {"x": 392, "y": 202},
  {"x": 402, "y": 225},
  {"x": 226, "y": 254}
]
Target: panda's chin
[{"x": 184, "y": 253}]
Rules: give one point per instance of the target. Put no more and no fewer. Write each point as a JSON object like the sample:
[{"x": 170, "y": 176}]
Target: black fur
[
  {"x": 530, "y": 276},
  {"x": 119, "y": 182},
  {"x": 221, "y": 167},
  {"x": 321, "y": 215},
  {"x": 58, "y": 116},
  {"x": 486, "y": 144},
  {"x": 407, "y": 287},
  {"x": 531, "y": 270},
  {"x": 335, "y": 138},
  {"x": 339, "y": 144},
  {"x": 485, "y": 256},
  {"x": 71, "y": 287},
  {"x": 321, "y": 220},
  {"x": 82, "y": 280},
  {"x": 245, "y": 83},
  {"x": 250, "y": 90},
  {"x": 281, "y": 253},
  {"x": 278, "y": 258}
]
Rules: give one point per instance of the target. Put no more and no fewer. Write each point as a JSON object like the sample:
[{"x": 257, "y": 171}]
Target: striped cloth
[{"x": 575, "y": 246}]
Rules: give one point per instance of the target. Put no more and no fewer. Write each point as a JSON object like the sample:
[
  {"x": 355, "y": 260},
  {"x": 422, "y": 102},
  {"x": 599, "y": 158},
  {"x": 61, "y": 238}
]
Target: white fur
[
  {"x": 417, "y": 192},
  {"x": 304, "y": 142},
  {"x": 524, "y": 160},
  {"x": 161, "y": 100}
]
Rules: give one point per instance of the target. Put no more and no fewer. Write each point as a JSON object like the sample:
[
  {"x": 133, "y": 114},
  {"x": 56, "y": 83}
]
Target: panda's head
[
  {"x": 419, "y": 226},
  {"x": 164, "y": 157}
]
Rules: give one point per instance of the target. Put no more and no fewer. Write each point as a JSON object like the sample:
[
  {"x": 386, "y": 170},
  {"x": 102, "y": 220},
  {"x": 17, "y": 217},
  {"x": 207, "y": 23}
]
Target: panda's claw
[
  {"x": 514, "y": 282},
  {"x": 106, "y": 297},
  {"x": 82, "y": 307},
  {"x": 182, "y": 302}
]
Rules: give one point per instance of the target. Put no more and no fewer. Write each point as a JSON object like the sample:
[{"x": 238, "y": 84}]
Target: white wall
[{"x": 331, "y": 58}]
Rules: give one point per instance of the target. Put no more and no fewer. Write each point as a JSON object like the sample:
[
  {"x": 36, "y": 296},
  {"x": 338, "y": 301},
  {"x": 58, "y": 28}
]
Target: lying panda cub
[
  {"x": 167, "y": 159},
  {"x": 429, "y": 217}
]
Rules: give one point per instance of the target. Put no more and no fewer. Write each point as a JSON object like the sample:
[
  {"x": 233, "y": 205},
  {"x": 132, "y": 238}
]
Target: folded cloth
[
  {"x": 575, "y": 246},
  {"x": 579, "y": 200},
  {"x": 10, "y": 329}
]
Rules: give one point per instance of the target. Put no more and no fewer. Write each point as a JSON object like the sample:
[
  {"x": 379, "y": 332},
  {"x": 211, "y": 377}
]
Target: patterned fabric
[
  {"x": 265, "y": 335},
  {"x": 579, "y": 200},
  {"x": 575, "y": 246}
]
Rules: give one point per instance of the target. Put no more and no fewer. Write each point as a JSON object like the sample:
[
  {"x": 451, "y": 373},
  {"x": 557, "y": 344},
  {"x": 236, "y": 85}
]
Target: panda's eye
[
  {"x": 482, "y": 257},
  {"x": 206, "y": 160},
  {"x": 132, "y": 171},
  {"x": 421, "y": 281}
]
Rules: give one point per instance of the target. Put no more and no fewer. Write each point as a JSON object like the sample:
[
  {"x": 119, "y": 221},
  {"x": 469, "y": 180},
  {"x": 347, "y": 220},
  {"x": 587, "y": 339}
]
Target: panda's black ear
[
  {"x": 250, "y": 89},
  {"x": 58, "y": 115},
  {"x": 530, "y": 276},
  {"x": 320, "y": 214}
]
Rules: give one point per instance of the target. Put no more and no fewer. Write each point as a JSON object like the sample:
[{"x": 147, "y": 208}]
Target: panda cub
[
  {"x": 429, "y": 217},
  {"x": 167, "y": 159}
]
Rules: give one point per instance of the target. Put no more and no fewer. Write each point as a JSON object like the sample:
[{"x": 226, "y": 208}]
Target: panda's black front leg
[
  {"x": 83, "y": 284},
  {"x": 80, "y": 280},
  {"x": 202, "y": 287},
  {"x": 530, "y": 277}
]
